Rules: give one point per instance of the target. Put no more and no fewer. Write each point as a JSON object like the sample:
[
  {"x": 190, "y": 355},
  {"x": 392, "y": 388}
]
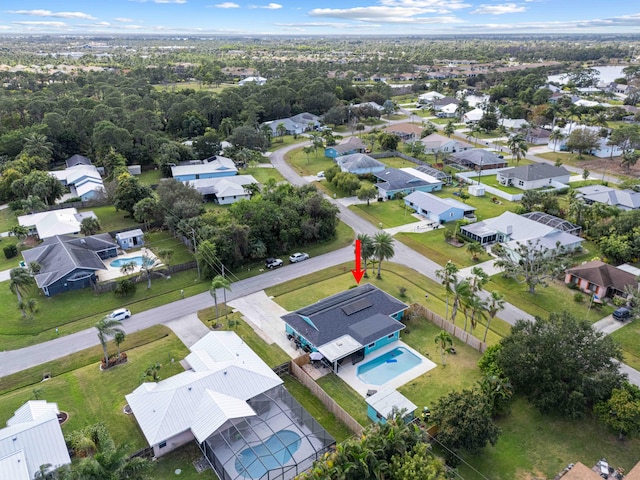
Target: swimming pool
[
  {"x": 121, "y": 261},
  {"x": 274, "y": 452},
  {"x": 382, "y": 369}
]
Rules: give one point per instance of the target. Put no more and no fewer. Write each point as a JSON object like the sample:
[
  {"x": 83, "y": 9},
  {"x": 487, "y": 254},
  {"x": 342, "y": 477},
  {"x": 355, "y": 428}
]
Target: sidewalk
[{"x": 488, "y": 266}]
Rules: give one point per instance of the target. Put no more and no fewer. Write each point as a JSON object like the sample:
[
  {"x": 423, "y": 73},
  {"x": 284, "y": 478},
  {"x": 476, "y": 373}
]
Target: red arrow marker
[{"x": 357, "y": 273}]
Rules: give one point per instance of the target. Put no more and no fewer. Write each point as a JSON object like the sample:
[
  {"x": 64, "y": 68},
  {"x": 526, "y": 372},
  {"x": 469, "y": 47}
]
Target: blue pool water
[
  {"x": 121, "y": 261},
  {"x": 274, "y": 452},
  {"x": 382, "y": 369}
]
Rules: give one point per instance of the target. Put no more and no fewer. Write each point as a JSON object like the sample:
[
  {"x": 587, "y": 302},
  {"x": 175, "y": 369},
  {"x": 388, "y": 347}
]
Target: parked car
[
  {"x": 622, "y": 313},
  {"x": 120, "y": 314},
  {"x": 320, "y": 174},
  {"x": 272, "y": 263},
  {"x": 298, "y": 257}
]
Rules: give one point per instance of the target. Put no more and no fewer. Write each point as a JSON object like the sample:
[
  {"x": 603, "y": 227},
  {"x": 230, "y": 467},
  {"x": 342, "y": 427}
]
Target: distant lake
[{"x": 607, "y": 74}]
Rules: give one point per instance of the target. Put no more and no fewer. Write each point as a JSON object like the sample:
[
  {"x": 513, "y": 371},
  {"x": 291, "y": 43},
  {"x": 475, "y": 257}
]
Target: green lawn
[
  {"x": 181, "y": 459},
  {"x": 554, "y": 298},
  {"x": 7, "y": 219},
  {"x": 262, "y": 174},
  {"x": 150, "y": 177},
  {"x": 391, "y": 213},
  {"x": 571, "y": 158},
  {"x": 431, "y": 244},
  {"x": 492, "y": 181},
  {"x": 627, "y": 337},
  {"x": 91, "y": 396},
  {"x": 286, "y": 140},
  {"x": 111, "y": 219},
  {"x": 13, "y": 262},
  {"x": 173, "y": 87},
  {"x": 397, "y": 162},
  {"x": 309, "y": 164},
  {"x": 160, "y": 240},
  {"x": 485, "y": 207}
]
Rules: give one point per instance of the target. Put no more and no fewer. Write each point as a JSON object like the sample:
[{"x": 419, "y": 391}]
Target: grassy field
[
  {"x": 160, "y": 240},
  {"x": 262, "y": 174},
  {"x": 485, "y": 206},
  {"x": 397, "y": 162},
  {"x": 91, "y": 396},
  {"x": 150, "y": 177},
  {"x": 7, "y": 219},
  {"x": 492, "y": 181},
  {"x": 309, "y": 164},
  {"x": 286, "y": 140},
  {"x": 391, "y": 213},
  {"x": 431, "y": 244},
  {"x": 627, "y": 337},
  {"x": 176, "y": 87},
  {"x": 111, "y": 219}
]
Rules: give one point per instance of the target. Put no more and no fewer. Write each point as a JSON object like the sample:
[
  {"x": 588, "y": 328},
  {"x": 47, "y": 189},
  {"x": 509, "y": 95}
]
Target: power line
[{"x": 458, "y": 457}]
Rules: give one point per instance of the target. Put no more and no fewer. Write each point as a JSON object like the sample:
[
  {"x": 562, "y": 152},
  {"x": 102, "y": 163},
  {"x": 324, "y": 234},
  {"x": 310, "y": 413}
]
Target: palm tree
[
  {"x": 226, "y": 127},
  {"x": 477, "y": 307},
  {"x": 147, "y": 267},
  {"x": 367, "y": 250},
  {"x": 461, "y": 292},
  {"x": 89, "y": 226},
  {"x": 475, "y": 249},
  {"x": 493, "y": 305},
  {"x": 478, "y": 279},
  {"x": 33, "y": 204},
  {"x": 449, "y": 129},
  {"x": 556, "y": 136},
  {"x": 118, "y": 338},
  {"x": 30, "y": 305},
  {"x": 281, "y": 130},
  {"x": 443, "y": 340},
  {"x": 37, "y": 145},
  {"x": 382, "y": 248},
  {"x": 518, "y": 146},
  {"x": 20, "y": 281},
  {"x": 107, "y": 327},
  {"x": 447, "y": 275},
  {"x": 128, "y": 267},
  {"x": 307, "y": 150},
  {"x": 219, "y": 282}
]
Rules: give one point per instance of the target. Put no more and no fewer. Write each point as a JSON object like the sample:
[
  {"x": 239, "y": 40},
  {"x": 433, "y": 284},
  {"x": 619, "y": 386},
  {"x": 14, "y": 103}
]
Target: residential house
[
  {"x": 130, "y": 239},
  {"x": 312, "y": 121},
  {"x": 475, "y": 100},
  {"x": 477, "y": 159},
  {"x": 531, "y": 228},
  {"x": 621, "y": 199},
  {"x": 536, "y": 136},
  {"x": 375, "y": 105},
  {"x": 213, "y": 167},
  {"x": 387, "y": 402},
  {"x": 77, "y": 160},
  {"x": 346, "y": 147},
  {"x": 406, "y": 131},
  {"x": 429, "y": 97},
  {"x": 438, "y": 104},
  {"x": 70, "y": 263},
  {"x": 236, "y": 409},
  {"x": 295, "y": 125},
  {"x": 439, "y": 143},
  {"x": 473, "y": 116},
  {"x": 32, "y": 438},
  {"x": 437, "y": 209},
  {"x": 602, "y": 149},
  {"x": 359, "y": 164},
  {"x": 513, "y": 124},
  {"x": 225, "y": 190},
  {"x": 533, "y": 176},
  {"x": 347, "y": 326},
  {"x": 393, "y": 181},
  {"x": 47, "y": 224},
  {"x": 448, "y": 111},
  {"x": 600, "y": 279},
  {"x": 257, "y": 80},
  {"x": 84, "y": 181}
]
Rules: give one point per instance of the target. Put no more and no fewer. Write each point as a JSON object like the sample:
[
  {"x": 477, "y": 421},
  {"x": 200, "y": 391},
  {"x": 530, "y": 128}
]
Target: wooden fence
[
  {"x": 110, "y": 286},
  {"x": 454, "y": 330},
  {"x": 398, "y": 154},
  {"x": 326, "y": 400}
]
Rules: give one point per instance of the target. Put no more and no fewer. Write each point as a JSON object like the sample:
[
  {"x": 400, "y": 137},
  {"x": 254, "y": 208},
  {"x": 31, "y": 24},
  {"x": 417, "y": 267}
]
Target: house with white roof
[
  {"x": 235, "y": 408},
  {"x": 602, "y": 150},
  {"x": 429, "y": 97},
  {"x": 622, "y": 199},
  {"x": 439, "y": 143},
  {"x": 32, "y": 438},
  {"x": 225, "y": 190},
  {"x": 213, "y": 167},
  {"x": 513, "y": 124},
  {"x": 381, "y": 405},
  {"x": 474, "y": 115},
  {"x": 65, "y": 221},
  {"x": 533, "y": 228},
  {"x": 437, "y": 209},
  {"x": 84, "y": 181},
  {"x": 258, "y": 80}
]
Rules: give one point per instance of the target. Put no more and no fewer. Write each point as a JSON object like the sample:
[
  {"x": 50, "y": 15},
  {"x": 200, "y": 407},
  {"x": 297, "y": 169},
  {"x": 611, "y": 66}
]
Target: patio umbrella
[{"x": 316, "y": 356}]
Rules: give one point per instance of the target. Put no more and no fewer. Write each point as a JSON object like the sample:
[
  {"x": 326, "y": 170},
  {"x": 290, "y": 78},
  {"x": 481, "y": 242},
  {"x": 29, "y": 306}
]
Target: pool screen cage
[{"x": 281, "y": 441}]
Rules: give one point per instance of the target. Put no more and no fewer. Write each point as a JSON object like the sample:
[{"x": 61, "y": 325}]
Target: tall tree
[
  {"x": 494, "y": 304},
  {"x": 383, "y": 248},
  {"x": 107, "y": 327},
  {"x": 219, "y": 282},
  {"x": 367, "y": 249},
  {"x": 89, "y": 226},
  {"x": 461, "y": 290},
  {"x": 19, "y": 281},
  {"x": 443, "y": 340},
  {"x": 129, "y": 192},
  {"x": 556, "y": 136},
  {"x": 447, "y": 276},
  {"x": 518, "y": 146}
]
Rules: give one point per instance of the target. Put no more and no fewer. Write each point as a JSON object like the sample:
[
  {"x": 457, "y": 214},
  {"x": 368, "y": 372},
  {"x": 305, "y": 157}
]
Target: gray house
[
  {"x": 392, "y": 182},
  {"x": 440, "y": 210},
  {"x": 536, "y": 175},
  {"x": 130, "y": 239},
  {"x": 359, "y": 164},
  {"x": 70, "y": 263}
]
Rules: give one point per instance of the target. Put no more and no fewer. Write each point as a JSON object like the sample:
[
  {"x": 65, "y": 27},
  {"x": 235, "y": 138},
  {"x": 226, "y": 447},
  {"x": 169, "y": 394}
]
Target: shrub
[
  {"x": 125, "y": 287},
  {"x": 10, "y": 251},
  {"x": 403, "y": 292},
  {"x": 72, "y": 200},
  {"x": 578, "y": 297}
]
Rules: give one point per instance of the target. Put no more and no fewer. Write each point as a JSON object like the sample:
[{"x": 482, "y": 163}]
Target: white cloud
[
  {"x": 160, "y": 1},
  {"x": 227, "y": 5},
  {"x": 407, "y": 15},
  {"x": 123, "y": 19},
  {"x": 272, "y": 6},
  {"x": 42, "y": 24},
  {"x": 49, "y": 13},
  {"x": 336, "y": 25},
  {"x": 436, "y": 5},
  {"x": 499, "y": 9},
  {"x": 600, "y": 25}
]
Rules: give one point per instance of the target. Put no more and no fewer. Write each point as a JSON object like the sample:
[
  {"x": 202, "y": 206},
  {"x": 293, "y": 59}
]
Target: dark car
[
  {"x": 622, "y": 313},
  {"x": 271, "y": 263}
]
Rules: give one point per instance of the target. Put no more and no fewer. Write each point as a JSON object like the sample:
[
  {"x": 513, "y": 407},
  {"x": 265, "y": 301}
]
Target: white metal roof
[
  {"x": 220, "y": 164},
  {"x": 339, "y": 348},
  {"x": 33, "y": 219},
  {"x": 33, "y": 410},
  {"x": 385, "y": 400},
  {"x": 25, "y": 445},
  {"x": 225, "y": 368}
]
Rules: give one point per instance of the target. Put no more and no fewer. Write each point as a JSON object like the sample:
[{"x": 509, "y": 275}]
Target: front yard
[
  {"x": 432, "y": 245},
  {"x": 391, "y": 213},
  {"x": 308, "y": 164}
]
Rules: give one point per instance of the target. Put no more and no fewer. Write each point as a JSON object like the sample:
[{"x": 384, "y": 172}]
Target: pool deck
[
  {"x": 114, "y": 272},
  {"x": 349, "y": 373}
]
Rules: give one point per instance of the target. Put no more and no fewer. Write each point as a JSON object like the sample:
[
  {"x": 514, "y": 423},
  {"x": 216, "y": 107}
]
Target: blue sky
[{"x": 309, "y": 17}]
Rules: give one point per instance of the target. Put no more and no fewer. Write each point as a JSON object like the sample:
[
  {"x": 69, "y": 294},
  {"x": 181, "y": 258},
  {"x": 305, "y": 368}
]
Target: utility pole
[{"x": 195, "y": 250}]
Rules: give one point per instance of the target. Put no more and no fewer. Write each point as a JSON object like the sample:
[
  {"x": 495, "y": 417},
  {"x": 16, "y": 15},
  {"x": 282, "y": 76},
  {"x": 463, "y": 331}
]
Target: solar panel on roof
[
  {"x": 334, "y": 300},
  {"x": 356, "y": 306}
]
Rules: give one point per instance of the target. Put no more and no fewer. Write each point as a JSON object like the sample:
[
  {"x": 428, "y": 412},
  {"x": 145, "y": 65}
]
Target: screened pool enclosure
[{"x": 279, "y": 442}]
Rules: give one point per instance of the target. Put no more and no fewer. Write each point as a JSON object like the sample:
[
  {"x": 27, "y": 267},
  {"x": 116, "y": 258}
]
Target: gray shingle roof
[
  {"x": 479, "y": 157},
  {"x": 431, "y": 203},
  {"x": 535, "y": 171},
  {"x": 394, "y": 179},
  {"x": 358, "y": 161},
  {"x": 362, "y": 312},
  {"x": 60, "y": 255}
]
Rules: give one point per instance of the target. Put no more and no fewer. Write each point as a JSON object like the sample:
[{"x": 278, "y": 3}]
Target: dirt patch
[
  {"x": 455, "y": 242},
  {"x": 610, "y": 167}
]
